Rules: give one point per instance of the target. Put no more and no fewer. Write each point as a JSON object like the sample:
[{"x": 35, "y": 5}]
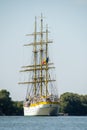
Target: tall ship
[{"x": 42, "y": 95}]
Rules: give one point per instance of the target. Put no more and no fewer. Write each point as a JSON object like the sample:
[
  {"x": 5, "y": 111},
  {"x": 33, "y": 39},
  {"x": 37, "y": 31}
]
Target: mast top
[{"x": 41, "y": 17}]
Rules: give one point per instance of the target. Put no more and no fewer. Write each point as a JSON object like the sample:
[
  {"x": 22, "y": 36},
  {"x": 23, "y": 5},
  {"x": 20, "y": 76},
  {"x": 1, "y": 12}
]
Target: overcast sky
[{"x": 67, "y": 20}]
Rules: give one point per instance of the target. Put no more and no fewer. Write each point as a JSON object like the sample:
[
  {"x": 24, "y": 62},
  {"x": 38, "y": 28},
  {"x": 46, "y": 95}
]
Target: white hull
[{"x": 42, "y": 110}]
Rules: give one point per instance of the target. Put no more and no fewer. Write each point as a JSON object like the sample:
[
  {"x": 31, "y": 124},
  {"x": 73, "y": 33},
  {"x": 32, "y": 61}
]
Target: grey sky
[{"x": 67, "y": 20}]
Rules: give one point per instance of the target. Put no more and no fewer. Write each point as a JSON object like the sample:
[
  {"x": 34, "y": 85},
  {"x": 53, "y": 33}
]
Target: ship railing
[{"x": 53, "y": 98}]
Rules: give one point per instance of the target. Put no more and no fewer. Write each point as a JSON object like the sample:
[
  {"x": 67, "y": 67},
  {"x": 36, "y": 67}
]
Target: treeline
[
  {"x": 73, "y": 104},
  {"x": 70, "y": 103},
  {"x": 9, "y": 107}
]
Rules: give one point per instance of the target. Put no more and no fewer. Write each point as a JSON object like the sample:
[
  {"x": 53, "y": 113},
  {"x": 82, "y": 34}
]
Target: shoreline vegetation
[
  {"x": 9, "y": 107},
  {"x": 70, "y": 104}
]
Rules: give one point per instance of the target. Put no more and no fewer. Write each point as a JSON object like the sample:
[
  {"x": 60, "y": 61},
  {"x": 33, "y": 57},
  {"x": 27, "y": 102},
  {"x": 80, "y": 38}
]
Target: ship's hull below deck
[{"x": 42, "y": 109}]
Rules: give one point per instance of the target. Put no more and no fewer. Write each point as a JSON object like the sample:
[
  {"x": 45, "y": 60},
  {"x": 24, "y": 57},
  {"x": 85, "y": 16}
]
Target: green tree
[
  {"x": 70, "y": 103},
  {"x": 5, "y": 103},
  {"x": 9, "y": 107},
  {"x": 18, "y": 108},
  {"x": 83, "y": 99}
]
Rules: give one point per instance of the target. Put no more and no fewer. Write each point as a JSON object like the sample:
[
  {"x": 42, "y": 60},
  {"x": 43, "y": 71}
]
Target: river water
[{"x": 43, "y": 123}]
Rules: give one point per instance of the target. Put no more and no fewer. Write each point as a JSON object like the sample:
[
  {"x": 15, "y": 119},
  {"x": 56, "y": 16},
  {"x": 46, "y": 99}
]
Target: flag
[{"x": 45, "y": 60}]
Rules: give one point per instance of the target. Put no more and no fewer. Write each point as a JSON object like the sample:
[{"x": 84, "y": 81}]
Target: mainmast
[{"x": 41, "y": 53}]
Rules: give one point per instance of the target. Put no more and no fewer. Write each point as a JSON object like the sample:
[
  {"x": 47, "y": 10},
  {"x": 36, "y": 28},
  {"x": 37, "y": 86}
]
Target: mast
[
  {"x": 35, "y": 55},
  {"x": 41, "y": 53},
  {"x": 46, "y": 57}
]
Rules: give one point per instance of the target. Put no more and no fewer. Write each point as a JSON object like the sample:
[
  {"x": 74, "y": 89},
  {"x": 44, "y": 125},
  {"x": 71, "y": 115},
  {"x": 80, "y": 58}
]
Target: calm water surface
[{"x": 43, "y": 123}]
